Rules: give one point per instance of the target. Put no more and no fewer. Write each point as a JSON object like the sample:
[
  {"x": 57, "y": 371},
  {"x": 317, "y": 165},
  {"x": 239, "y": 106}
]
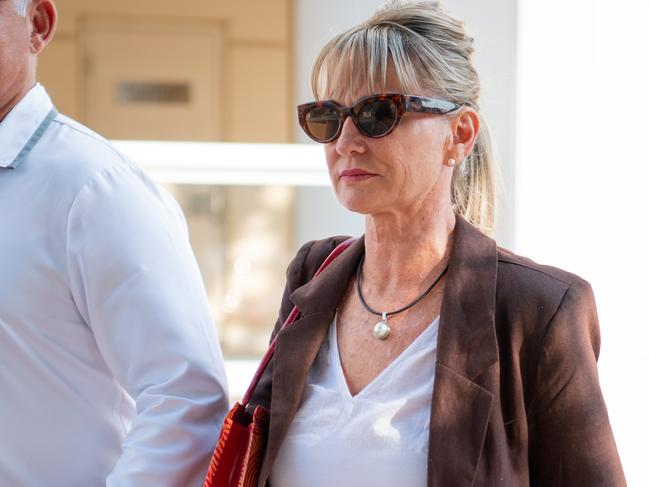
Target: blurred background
[{"x": 203, "y": 96}]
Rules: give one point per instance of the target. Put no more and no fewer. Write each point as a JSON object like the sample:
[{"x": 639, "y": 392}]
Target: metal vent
[{"x": 142, "y": 92}]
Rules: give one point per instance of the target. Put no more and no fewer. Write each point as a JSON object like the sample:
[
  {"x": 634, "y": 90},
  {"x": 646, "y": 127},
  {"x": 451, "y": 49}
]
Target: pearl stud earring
[{"x": 451, "y": 162}]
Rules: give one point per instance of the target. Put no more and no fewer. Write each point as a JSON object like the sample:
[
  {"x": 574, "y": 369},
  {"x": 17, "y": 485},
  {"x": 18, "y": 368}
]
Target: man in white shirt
[{"x": 110, "y": 372}]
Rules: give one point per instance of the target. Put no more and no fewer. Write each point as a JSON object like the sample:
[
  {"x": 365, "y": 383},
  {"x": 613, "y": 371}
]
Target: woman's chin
[{"x": 364, "y": 205}]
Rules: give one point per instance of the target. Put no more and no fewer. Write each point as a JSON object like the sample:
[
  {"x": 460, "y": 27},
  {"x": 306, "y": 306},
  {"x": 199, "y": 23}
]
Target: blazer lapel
[
  {"x": 463, "y": 396},
  {"x": 298, "y": 345}
]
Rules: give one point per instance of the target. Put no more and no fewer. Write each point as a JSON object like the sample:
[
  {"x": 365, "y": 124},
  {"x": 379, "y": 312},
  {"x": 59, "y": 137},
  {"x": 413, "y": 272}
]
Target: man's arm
[{"x": 136, "y": 283}]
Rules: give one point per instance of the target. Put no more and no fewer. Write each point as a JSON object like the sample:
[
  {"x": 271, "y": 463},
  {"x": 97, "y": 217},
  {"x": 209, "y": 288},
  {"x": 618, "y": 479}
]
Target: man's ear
[
  {"x": 42, "y": 17},
  {"x": 465, "y": 126}
]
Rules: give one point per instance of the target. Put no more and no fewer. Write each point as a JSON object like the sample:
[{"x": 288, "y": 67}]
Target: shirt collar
[{"x": 21, "y": 124}]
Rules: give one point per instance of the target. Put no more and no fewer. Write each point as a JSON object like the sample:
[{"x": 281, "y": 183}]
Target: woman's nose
[{"x": 350, "y": 140}]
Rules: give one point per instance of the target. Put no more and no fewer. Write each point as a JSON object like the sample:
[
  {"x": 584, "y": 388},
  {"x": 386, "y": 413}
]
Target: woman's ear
[
  {"x": 465, "y": 126},
  {"x": 42, "y": 16}
]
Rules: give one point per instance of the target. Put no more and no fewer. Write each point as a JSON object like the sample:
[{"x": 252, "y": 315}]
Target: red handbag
[{"x": 239, "y": 452}]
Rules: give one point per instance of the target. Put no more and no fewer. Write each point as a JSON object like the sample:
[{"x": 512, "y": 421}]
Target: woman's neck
[{"x": 405, "y": 250}]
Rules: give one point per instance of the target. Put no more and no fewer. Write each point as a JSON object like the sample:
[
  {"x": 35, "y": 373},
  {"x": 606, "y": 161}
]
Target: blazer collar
[
  {"x": 467, "y": 335},
  {"x": 467, "y": 329},
  {"x": 323, "y": 293},
  {"x": 465, "y": 384},
  {"x": 298, "y": 345},
  {"x": 466, "y": 348}
]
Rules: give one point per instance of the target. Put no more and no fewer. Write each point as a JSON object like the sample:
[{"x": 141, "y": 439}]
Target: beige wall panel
[
  {"x": 143, "y": 52},
  {"x": 259, "y": 95},
  {"x": 267, "y": 20},
  {"x": 57, "y": 71},
  {"x": 256, "y": 67}
]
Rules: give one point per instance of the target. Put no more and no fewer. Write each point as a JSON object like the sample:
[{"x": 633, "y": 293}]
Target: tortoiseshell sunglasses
[{"x": 374, "y": 116}]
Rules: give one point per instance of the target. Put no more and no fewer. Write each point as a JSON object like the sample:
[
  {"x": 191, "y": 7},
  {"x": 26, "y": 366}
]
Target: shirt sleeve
[
  {"x": 135, "y": 281},
  {"x": 571, "y": 441}
]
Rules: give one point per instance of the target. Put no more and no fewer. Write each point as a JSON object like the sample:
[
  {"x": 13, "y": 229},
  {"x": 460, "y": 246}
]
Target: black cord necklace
[{"x": 382, "y": 330}]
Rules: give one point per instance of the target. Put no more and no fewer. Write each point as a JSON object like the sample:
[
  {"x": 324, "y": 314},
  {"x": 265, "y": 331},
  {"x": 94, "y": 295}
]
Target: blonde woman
[{"x": 425, "y": 354}]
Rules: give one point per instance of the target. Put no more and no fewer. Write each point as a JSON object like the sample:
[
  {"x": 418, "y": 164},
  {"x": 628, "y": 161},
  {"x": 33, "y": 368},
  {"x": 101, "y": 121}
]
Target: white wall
[
  {"x": 493, "y": 24},
  {"x": 582, "y": 177}
]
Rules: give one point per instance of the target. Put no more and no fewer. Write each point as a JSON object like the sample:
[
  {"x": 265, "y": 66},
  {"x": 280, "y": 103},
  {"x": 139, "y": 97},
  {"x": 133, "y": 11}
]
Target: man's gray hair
[{"x": 21, "y": 6}]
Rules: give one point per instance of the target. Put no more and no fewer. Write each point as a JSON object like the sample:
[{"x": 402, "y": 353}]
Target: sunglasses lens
[
  {"x": 377, "y": 117},
  {"x": 322, "y": 122}
]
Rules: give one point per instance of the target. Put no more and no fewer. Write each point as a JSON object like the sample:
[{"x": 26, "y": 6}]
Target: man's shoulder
[
  {"x": 72, "y": 156},
  {"x": 82, "y": 147}
]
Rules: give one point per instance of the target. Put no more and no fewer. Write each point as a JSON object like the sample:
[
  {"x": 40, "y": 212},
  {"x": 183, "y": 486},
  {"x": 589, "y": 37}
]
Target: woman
[{"x": 425, "y": 354}]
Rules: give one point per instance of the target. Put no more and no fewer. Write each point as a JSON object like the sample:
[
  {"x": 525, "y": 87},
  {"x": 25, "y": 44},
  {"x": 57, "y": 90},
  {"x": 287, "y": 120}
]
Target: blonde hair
[{"x": 427, "y": 50}]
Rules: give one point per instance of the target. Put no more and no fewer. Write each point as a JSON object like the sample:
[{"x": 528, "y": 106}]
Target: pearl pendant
[{"x": 382, "y": 330}]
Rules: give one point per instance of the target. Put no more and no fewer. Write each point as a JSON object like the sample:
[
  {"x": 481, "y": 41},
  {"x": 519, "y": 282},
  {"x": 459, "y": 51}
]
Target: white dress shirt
[
  {"x": 378, "y": 438},
  {"x": 110, "y": 371}
]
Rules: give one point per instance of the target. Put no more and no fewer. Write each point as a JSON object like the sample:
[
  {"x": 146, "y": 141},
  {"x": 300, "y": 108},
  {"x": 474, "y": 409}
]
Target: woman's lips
[{"x": 355, "y": 175}]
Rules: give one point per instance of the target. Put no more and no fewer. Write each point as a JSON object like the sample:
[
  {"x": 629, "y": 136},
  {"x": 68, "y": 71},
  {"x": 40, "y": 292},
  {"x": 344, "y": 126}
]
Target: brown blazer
[{"x": 516, "y": 400}]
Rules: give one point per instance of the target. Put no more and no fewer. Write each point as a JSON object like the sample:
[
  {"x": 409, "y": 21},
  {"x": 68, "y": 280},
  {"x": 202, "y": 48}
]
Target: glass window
[{"x": 242, "y": 237}]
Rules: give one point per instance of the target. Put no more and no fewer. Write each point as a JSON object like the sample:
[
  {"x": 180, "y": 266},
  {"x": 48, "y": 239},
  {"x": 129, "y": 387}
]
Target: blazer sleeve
[{"x": 571, "y": 442}]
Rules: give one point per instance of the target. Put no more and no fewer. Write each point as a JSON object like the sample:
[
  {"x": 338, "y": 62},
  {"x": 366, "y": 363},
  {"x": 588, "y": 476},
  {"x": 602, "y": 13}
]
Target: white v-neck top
[{"x": 378, "y": 437}]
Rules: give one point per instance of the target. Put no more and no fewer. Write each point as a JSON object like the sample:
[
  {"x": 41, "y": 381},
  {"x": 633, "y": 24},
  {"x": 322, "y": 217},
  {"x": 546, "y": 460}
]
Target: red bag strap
[{"x": 293, "y": 315}]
